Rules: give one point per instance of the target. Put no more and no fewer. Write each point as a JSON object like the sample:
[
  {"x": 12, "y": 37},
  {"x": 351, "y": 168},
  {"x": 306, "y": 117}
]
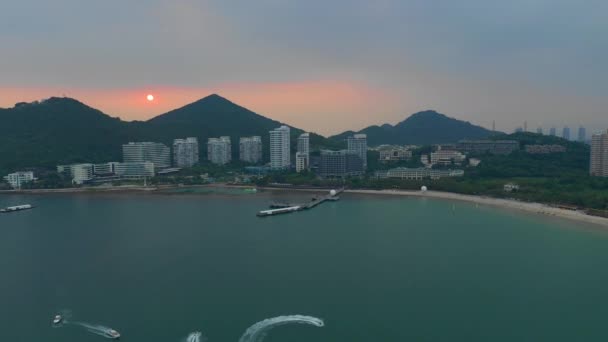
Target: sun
[{"x": 150, "y": 97}]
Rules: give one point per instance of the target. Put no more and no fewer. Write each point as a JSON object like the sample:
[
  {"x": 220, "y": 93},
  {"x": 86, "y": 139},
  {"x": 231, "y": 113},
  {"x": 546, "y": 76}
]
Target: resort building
[
  {"x": 447, "y": 157},
  {"x": 250, "y": 149},
  {"x": 17, "y": 179},
  {"x": 134, "y": 170},
  {"x": 219, "y": 150},
  {"x": 139, "y": 152},
  {"x": 80, "y": 173},
  {"x": 544, "y": 149},
  {"x": 185, "y": 152},
  {"x": 280, "y": 148},
  {"x": 488, "y": 146},
  {"x": 340, "y": 164},
  {"x": 417, "y": 173},
  {"x": 394, "y": 153}
]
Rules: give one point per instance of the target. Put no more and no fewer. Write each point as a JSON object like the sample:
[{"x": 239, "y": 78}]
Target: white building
[
  {"x": 185, "y": 152},
  {"x": 280, "y": 148},
  {"x": 134, "y": 170},
  {"x": 358, "y": 145},
  {"x": 80, "y": 173},
  {"x": 303, "y": 152},
  {"x": 17, "y": 179},
  {"x": 418, "y": 173},
  {"x": 139, "y": 152},
  {"x": 599, "y": 155},
  {"x": 219, "y": 150},
  {"x": 250, "y": 149},
  {"x": 105, "y": 169},
  {"x": 302, "y": 161},
  {"x": 446, "y": 157}
]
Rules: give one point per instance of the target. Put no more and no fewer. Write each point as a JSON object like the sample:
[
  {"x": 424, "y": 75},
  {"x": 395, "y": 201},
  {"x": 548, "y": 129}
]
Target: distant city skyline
[{"x": 361, "y": 63}]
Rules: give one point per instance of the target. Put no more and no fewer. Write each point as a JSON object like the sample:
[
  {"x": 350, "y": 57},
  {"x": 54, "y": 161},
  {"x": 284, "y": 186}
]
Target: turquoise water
[{"x": 157, "y": 267}]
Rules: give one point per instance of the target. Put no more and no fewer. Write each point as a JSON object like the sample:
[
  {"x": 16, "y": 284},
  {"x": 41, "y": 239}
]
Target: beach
[{"x": 536, "y": 208}]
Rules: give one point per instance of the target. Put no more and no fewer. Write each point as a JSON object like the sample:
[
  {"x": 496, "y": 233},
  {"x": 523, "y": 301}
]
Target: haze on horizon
[{"x": 325, "y": 66}]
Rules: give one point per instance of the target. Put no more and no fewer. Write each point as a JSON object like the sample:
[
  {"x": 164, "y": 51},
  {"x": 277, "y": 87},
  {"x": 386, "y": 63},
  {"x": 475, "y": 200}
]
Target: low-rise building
[
  {"x": 417, "y": 173},
  {"x": 488, "y": 146},
  {"x": 135, "y": 170},
  {"x": 474, "y": 162},
  {"x": 510, "y": 187},
  {"x": 447, "y": 157},
  {"x": 80, "y": 173},
  {"x": 394, "y": 153},
  {"x": 544, "y": 149},
  {"x": 17, "y": 179}
]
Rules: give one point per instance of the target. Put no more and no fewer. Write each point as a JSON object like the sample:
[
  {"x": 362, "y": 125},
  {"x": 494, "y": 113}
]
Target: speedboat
[
  {"x": 57, "y": 319},
  {"x": 113, "y": 334}
]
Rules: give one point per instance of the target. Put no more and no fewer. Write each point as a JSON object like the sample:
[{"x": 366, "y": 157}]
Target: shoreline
[{"x": 529, "y": 207}]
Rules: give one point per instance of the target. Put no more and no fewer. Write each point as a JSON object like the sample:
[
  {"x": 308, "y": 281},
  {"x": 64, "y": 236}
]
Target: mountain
[
  {"x": 422, "y": 128},
  {"x": 64, "y": 130}
]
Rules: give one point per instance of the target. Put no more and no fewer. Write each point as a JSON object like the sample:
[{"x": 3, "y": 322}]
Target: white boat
[
  {"x": 57, "y": 319},
  {"x": 113, "y": 334},
  {"x": 16, "y": 208}
]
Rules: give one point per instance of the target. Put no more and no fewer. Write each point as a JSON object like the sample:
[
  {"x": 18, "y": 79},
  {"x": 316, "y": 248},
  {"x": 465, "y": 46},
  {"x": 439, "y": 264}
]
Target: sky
[{"x": 324, "y": 66}]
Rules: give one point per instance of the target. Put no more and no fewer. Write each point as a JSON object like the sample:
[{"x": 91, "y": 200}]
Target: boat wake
[
  {"x": 196, "y": 336},
  {"x": 95, "y": 329},
  {"x": 258, "y": 331}
]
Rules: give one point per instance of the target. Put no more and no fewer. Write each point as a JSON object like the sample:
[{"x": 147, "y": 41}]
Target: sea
[{"x": 159, "y": 267}]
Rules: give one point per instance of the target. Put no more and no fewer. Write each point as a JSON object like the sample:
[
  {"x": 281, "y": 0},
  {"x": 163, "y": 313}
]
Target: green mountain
[
  {"x": 64, "y": 130},
  {"x": 423, "y": 128}
]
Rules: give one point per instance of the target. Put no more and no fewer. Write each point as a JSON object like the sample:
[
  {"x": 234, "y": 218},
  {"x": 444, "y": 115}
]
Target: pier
[{"x": 285, "y": 208}]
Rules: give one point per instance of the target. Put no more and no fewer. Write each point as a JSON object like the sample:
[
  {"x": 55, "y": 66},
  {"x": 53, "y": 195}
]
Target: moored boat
[{"x": 16, "y": 208}]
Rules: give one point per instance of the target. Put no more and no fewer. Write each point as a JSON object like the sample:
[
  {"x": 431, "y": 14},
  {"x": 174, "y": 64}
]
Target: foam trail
[
  {"x": 196, "y": 336},
  {"x": 95, "y": 329},
  {"x": 258, "y": 331}
]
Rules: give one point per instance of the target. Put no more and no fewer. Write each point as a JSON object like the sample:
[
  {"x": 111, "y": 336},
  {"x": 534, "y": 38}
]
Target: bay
[{"x": 158, "y": 266}]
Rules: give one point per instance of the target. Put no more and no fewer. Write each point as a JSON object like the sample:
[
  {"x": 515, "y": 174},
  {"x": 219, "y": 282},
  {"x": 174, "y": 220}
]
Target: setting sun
[{"x": 150, "y": 97}]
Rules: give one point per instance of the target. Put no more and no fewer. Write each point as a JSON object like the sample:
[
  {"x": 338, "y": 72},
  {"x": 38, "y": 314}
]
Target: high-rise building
[
  {"x": 219, "y": 150},
  {"x": 185, "y": 152},
  {"x": 599, "y": 155},
  {"x": 340, "y": 164},
  {"x": 139, "y": 152},
  {"x": 280, "y": 148},
  {"x": 553, "y": 131},
  {"x": 358, "y": 145},
  {"x": 525, "y": 126},
  {"x": 19, "y": 178},
  {"x": 582, "y": 134},
  {"x": 303, "y": 152},
  {"x": 250, "y": 149},
  {"x": 566, "y": 133},
  {"x": 539, "y": 130}
]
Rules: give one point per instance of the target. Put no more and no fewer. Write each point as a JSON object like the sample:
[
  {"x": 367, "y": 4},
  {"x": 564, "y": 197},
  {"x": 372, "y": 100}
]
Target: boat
[
  {"x": 250, "y": 190},
  {"x": 113, "y": 334},
  {"x": 57, "y": 319},
  {"x": 16, "y": 208}
]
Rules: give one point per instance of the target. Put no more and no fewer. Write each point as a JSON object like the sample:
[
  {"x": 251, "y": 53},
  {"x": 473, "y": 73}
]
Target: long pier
[{"x": 286, "y": 208}]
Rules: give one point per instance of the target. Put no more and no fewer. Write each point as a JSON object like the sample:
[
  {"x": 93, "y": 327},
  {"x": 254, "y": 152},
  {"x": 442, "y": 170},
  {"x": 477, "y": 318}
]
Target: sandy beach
[{"x": 536, "y": 208}]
